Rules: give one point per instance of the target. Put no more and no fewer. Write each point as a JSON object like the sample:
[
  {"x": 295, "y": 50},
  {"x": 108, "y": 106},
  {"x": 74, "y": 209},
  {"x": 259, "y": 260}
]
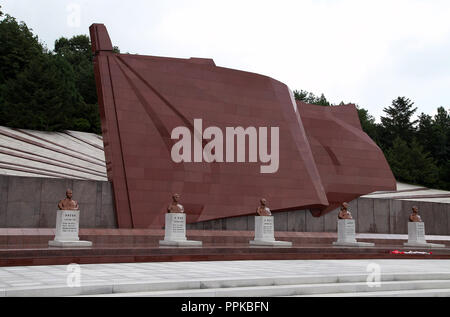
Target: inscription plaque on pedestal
[
  {"x": 264, "y": 228},
  {"x": 347, "y": 235},
  {"x": 346, "y": 231},
  {"x": 175, "y": 231},
  {"x": 265, "y": 233},
  {"x": 175, "y": 227},
  {"x": 416, "y": 236},
  {"x": 67, "y": 227},
  {"x": 416, "y": 232}
]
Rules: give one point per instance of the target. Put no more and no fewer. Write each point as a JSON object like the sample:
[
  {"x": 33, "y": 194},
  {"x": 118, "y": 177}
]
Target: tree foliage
[
  {"x": 55, "y": 90},
  {"x": 397, "y": 121},
  {"x": 310, "y": 98},
  {"x": 368, "y": 123},
  {"x": 411, "y": 164},
  {"x": 18, "y": 47},
  {"x": 417, "y": 150},
  {"x": 46, "y": 90}
]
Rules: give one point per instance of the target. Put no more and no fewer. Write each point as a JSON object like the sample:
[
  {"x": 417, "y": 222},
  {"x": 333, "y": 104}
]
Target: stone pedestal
[
  {"x": 416, "y": 236},
  {"x": 264, "y": 233},
  {"x": 347, "y": 235},
  {"x": 175, "y": 232},
  {"x": 67, "y": 226}
]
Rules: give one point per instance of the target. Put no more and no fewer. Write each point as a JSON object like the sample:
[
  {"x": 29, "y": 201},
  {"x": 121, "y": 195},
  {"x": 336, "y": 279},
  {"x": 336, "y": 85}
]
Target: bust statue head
[
  {"x": 68, "y": 203},
  {"x": 175, "y": 207},
  {"x": 263, "y": 210},
  {"x": 415, "y": 217},
  {"x": 344, "y": 213}
]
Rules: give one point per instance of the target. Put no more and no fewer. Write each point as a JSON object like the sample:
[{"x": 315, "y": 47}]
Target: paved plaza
[{"x": 126, "y": 278}]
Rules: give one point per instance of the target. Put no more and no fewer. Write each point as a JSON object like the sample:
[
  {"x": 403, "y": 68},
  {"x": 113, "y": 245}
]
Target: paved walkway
[{"x": 57, "y": 276}]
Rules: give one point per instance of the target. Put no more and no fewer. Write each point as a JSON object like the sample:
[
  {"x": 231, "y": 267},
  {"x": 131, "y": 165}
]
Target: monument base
[
  {"x": 175, "y": 232},
  {"x": 347, "y": 235},
  {"x": 69, "y": 244},
  {"x": 353, "y": 244},
  {"x": 265, "y": 233},
  {"x": 416, "y": 237},
  {"x": 270, "y": 243},
  {"x": 185, "y": 243},
  {"x": 67, "y": 227},
  {"x": 423, "y": 245}
]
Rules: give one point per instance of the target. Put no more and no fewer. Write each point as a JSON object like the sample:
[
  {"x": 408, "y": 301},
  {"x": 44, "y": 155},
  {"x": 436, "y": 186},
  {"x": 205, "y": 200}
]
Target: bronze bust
[
  {"x": 68, "y": 203},
  {"x": 344, "y": 213},
  {"x": 263, "y": 210},
  {"x": 175, "y": 207},
  {"x": 415, "y": 217}
]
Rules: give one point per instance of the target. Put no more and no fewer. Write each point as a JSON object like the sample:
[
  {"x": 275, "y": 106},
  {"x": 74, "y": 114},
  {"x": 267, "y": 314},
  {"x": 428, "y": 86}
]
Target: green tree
[
  {"x": 77, "y": 51},
  {"x": 441, "y": 146},
  {"x": 398, "y": 122},
  {"x": 42, "y": 96},
  {"x": 425, "y": 131},
  {"x": 411, "y": 164},
  {"x": 433, "y": 133},
  {"x": 441, "y": 134},
  {"x": 368, "y": 123},
  {"x": 399, "y": 160},
  {"x": 310, "y": 98},
  {"x": 40, "y": 89},
  {"x": 18, "y": 47}
]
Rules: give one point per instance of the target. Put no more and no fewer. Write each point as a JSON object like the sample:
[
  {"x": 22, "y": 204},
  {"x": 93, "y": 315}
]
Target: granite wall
[
  {"x": 371, "y": 216},
  {"x": 31, "y": 202}
]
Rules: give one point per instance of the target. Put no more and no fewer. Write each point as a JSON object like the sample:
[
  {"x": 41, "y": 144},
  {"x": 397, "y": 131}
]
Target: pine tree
[
  {"x": 42, "y": 97},
  {"x": 412, "y": 164},
  {"x": 310, "y": 98},
  {"x": 399, "y": 160},
  {"x": 77, "y": 51},
  {"x": 424, "y": 170},
  {"x": 425, "y": 132},
  {"x": 398, "y": 121},
  {"x": 44, "y": 90},
  {"x": 18, "y": 47},
  {"x": 368, "y": 123}
]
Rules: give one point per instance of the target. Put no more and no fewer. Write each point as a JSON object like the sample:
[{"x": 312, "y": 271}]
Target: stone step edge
[
  {"x": 436, "y": 292},
  {"x": 199, "y": 284},
  {"x": 290, "y": 290}
]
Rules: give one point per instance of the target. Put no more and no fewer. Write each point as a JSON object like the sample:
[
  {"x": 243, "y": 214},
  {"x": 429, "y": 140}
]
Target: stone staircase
[{"x": 391, "y": 285}]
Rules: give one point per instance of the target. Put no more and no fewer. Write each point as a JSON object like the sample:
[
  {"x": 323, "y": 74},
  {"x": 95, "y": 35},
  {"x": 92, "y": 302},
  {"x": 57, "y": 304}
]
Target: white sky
[{"x": 363, "y": 51}]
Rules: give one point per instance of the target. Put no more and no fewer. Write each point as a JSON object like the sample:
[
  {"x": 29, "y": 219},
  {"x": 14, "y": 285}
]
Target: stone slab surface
[
  {"x": 181, "y": 243},
  {"x": 271, "y": 243},
  {"x": 69, "y": 244},
  {"x": 160, "y": 276},
  {"x": 423, "y": 245},
  {"x": 354, "y": 244}
]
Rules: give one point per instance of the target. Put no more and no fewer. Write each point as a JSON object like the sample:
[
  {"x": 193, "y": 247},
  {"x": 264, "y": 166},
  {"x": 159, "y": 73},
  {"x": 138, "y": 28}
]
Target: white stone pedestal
[
  {"x": 67, "y": 226},
  {"x": 264, "y": 233},
  {"x": 416, "y": 236},
  {"x": 175, "y": 232},
  {"x": 347, "y": 235}
]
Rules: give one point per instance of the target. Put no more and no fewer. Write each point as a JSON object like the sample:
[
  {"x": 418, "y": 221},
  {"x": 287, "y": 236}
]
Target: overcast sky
[{"x": 360, "y": 51}]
